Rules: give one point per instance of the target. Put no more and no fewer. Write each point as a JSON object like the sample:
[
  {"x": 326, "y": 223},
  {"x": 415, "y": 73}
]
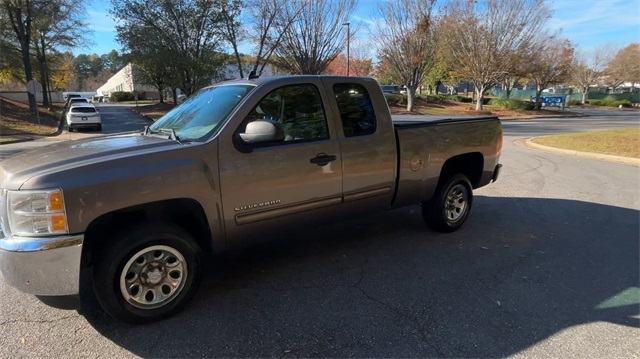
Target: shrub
[
  {"x": 396, "y": 99},
  {"x": 458, "y": 98},
  {"x": 141, "y": 95},
  {"x": 623, "y": 103},
  {"x": 436, "y": 99},
  {"x": 121, "y": 96},
  {"x": 574, "y": 103},
  {"x": 510, "y": 104}
]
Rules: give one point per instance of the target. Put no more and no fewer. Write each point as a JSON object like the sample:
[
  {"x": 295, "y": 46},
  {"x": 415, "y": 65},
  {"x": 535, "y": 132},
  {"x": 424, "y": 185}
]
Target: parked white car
[{"x": 83, "y": 115}]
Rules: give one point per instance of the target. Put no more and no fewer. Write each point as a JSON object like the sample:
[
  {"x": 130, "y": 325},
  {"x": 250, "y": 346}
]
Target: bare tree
[
  {"x": 232, "y": 29},
  {"x": 625, "y": 66},
  {"x": 551, "y": 67},
  {"x": 406, "y": 40},
  {"x": 493, "y": 31},
  {"x": 315, "y": 38},
  {"x": 588, "y": 67},
  {"x": 269, "y": 20}
]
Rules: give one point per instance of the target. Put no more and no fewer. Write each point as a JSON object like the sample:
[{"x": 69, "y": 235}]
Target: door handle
[{"x": 322, "y": 159}]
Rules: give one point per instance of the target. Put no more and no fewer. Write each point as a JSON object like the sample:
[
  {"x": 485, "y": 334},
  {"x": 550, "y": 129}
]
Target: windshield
[{"x": 203, "y": 112}]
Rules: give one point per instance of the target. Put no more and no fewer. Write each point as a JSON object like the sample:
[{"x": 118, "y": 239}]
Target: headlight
[{"x": 36, "y": 212}]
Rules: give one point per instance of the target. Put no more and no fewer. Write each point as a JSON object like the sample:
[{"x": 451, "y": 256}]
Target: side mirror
[{"x": 262, "y": 131}]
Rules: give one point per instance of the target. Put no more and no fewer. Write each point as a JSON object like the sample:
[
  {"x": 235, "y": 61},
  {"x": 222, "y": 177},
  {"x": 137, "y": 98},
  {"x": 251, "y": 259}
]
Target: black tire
[
  {"x": 70, "y": 129},
  {"x": 450, "y": 206},
  {"x": 155, "y": 274},
  {"x": 99, "y": 127}
]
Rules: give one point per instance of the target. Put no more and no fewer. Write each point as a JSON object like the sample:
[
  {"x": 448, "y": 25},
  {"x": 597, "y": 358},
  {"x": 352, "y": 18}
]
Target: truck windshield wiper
[{"x": 165, "y": 131}]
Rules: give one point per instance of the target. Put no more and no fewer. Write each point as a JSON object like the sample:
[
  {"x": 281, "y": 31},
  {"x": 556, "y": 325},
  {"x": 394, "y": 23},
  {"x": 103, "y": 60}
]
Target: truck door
[
  {"x": 368, "y": 143},
  {"x": 267, "y": 187}
]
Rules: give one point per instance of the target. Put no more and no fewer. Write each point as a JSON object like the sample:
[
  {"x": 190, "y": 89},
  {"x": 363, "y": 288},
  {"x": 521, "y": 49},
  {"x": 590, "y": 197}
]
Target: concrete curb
[
  {"x": 17, "y": 140},
  {"x": 590, "y": 155},
  {"x": 138, "y": 113},
  {"x": 533, "y": 117}
]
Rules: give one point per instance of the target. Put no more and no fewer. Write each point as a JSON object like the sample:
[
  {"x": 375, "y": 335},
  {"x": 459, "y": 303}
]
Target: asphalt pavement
[{"x": 546, "y": 266}]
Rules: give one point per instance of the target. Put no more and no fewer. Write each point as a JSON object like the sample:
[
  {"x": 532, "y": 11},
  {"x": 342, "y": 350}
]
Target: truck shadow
[{"x": 520, "y": 271}]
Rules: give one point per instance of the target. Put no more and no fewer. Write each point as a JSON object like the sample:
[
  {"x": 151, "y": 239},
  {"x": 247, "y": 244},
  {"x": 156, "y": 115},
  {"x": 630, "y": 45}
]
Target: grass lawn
[
  {"x": 16, "y": 119},
  {"x": 154, "y": 111},
  {"x": 623, "y": 142},
  {"x": 451, "y": 108}
]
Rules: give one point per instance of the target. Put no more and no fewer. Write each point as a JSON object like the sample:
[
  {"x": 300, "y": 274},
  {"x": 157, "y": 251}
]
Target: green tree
[
  {"x": 59, "y": 24},
  {"x": 114, "y": 61},
  {"x": 189, "y": 30},
  {"x": 87, "y": 66},
  {"x": 19, "y": 14}
]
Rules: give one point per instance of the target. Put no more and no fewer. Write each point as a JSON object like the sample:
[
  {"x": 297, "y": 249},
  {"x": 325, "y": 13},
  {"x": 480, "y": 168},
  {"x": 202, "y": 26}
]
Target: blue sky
[{"x": 587, "y": 23}]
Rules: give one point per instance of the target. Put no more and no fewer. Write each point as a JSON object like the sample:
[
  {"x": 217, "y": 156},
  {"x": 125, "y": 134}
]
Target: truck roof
[{"x": 262, "y": 80}]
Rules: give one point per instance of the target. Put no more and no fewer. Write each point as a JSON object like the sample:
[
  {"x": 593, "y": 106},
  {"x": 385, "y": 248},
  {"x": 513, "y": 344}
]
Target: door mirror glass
[{"x": 262, "y": 131}]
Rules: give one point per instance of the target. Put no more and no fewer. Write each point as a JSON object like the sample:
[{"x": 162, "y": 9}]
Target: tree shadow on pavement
[{"x": 520, "y": 271}]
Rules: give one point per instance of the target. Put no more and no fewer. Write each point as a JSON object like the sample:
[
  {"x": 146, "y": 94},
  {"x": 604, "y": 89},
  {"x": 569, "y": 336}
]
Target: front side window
[
  {"x": 298, "y": 109},
  {"x": 202, "y": 113},
  {"x": 356, "y": 109}
]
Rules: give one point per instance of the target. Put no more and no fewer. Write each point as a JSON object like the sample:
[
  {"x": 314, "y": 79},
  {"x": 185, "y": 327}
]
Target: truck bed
[
  {"x": 425, "y": 143},
  {"x": 411, "y": 121}
]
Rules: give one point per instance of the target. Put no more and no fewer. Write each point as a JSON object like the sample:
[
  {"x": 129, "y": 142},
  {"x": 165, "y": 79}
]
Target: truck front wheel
[
  {"x": 450, "y": 206},
  {"x": 149, "y": 273}
]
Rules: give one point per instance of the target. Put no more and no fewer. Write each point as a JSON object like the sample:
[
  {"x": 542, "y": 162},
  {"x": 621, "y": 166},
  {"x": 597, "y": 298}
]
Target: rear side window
[{"x": 356, "y": 109}]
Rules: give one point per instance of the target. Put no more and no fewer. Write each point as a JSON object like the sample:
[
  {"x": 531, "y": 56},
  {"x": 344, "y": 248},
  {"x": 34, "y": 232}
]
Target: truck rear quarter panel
[{"x": 424, "y": 147}]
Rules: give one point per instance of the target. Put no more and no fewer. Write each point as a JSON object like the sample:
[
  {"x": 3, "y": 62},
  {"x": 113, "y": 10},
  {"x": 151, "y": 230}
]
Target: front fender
[{"x": 94, "y": 190}]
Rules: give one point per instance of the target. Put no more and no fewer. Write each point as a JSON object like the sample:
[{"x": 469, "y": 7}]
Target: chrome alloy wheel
[
  {"x": 456, "y": 203},
  {"x": 153, "y": 277}
]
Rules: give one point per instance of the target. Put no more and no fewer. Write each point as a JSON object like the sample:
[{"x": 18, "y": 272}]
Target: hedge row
[
  {"x": 510, "y": 104},
  {"x": 121, "y": 96},
  {"x": 398, "y": 99},
  {"x": 610, "y": 102}
]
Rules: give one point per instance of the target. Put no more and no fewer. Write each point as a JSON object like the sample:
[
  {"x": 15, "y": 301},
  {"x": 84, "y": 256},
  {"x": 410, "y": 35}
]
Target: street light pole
[{"x": 348, "y": 38}]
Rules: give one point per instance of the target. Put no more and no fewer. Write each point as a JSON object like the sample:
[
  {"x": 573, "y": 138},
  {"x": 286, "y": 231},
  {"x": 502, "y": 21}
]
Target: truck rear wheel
[
  {"x": 450, "y": 206},
  {"x": 149, "y": 273}
]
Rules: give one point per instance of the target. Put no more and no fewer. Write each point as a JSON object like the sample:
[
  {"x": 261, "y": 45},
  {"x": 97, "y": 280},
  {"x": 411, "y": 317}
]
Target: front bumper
[{"x": 42, "y": 266}]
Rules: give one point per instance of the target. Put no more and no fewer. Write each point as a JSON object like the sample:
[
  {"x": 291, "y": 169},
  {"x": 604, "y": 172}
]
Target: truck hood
[{"x": 16, "y": 170}]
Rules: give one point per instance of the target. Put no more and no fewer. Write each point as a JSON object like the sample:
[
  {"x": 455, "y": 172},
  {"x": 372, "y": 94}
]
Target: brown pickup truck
[{"x": 236, "y": 161}]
